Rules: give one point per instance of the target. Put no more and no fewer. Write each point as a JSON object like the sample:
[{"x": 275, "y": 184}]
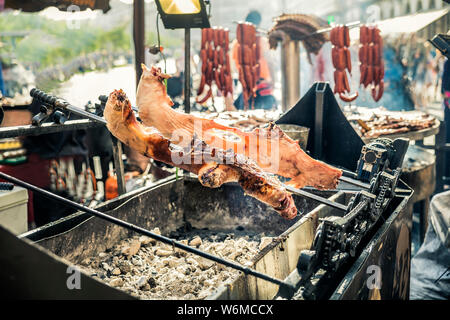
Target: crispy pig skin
[
  {"x": 290, "y": 161},
  {"x": 215, "y": 166}
]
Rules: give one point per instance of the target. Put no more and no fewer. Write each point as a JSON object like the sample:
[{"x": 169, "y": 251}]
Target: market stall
[{"x": 290, "y": 200}]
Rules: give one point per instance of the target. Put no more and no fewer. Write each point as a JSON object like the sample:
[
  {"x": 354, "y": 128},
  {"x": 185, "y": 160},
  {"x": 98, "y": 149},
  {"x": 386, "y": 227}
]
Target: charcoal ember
[
  {"x": 141, "y": 281},
  {"x": 116, "y": 282},
  {"x": 125, "y": 267},
  {"x": 174, "y": 274},
  {"x": 144, "y": 240},
  {"x": 116, "y": 272},
  {"x": 163, "y": 253},
  {"x": 132, "y": 248},
  {"x": 265, "y": 241},
  {"x": 195, "y": 242}
]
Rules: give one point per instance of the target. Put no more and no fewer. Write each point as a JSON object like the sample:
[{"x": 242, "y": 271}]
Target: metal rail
[
  {"x": 45, "y": 128},
  {"x": 145, "y": 232},
  {"x": 92, "y": 121}
]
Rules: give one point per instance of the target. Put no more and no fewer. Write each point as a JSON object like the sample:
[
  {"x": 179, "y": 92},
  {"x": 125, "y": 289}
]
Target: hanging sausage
[
  {"x": 371, "y": 60},
  {"x": 215, "y": 63},
  {"x": 340, "y": 56},
  {"x": 248, "y": 54}
]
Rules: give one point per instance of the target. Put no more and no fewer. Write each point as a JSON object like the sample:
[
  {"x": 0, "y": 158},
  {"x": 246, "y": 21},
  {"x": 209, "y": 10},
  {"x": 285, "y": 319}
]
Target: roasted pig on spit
[
  {"x": 213, "y": 166},
  {"x": 270, "y": 148}
]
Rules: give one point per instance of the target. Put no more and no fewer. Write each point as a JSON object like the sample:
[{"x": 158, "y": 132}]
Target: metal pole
[
  {"x": 138, "y": 36},
  {"x": 118, "y": 164},
  {"x": 187, "y": 70},
  {"x": 143, "y": 231},
  {"x": 290, "y": 73},
  {"x": 318, "y": 120}
]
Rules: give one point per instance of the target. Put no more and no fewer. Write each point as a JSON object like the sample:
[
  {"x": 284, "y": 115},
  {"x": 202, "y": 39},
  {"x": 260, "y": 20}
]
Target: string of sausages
[
  {"x": 215, "y": 63},
  {"x": 340, "y": 56},
  {"x": 248, "y": 55},
  {"x": 371, "y": 60}
]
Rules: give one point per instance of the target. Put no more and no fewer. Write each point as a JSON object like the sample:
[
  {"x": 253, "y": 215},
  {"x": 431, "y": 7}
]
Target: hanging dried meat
[
  {"x": 371, "y": 60},
  {"x": 215, "y": 63},
  {"x": 340, "y": 56},
  {"x": 300, "y": 27},
  {"x": 248, "y": 54}
]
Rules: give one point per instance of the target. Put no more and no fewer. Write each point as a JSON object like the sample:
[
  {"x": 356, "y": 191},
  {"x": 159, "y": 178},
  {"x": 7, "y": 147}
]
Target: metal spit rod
[
  {"x": 349, "y": 25},
  {"x": 60, "y": 103},
  {"x": 349, "y": 177},
  {"x": 355, "y": 182},
  {"x": 317, "y": 198},
  {"x": 55, "y": 102},
  {"x": 145, "y": 232}
]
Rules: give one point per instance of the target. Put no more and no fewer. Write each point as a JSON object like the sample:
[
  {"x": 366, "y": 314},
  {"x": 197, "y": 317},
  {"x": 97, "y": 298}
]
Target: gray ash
[{"x": 148, "y": 269}]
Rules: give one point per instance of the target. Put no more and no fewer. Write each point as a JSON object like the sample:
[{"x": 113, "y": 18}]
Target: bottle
[{"x": 111, "y": 188}]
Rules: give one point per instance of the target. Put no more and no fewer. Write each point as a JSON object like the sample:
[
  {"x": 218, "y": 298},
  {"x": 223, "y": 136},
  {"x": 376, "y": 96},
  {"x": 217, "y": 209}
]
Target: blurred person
[
  {"x": 264, "y": 93},
  {"x": 445, "y": 89},
  {"x": 440, "y": 70},
  {"x": 2, "y": 84},
  {"x": 430, "y": 75},
  {"x": 175, "y": 84}
]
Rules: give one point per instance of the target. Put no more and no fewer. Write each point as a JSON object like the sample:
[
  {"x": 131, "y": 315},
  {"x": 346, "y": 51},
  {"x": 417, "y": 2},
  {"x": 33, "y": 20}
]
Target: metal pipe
[
  {"x": 355, "y": 182},
  {"x": 118, "y": 164},
  {"x": 319, "y": 119},
  {"x": 317, "y": 198},
  {"x": 139, "y": 36},
  {"x": 145, "y": 232},
  {"x": 45, "y": 128},
  {"x": 290, "y": 73},
  {"x": 187, "y": 70}
]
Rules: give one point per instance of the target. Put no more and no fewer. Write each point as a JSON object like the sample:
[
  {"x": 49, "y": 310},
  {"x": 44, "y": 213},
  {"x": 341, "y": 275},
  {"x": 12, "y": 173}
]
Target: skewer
[
  {"x": 317, "y": 198},
  {"x": 350, "y": 178},
  {"x": 140, "y": 230},
  {"x": 349, "y": 25},
  {"x": 355, "y": 182}
]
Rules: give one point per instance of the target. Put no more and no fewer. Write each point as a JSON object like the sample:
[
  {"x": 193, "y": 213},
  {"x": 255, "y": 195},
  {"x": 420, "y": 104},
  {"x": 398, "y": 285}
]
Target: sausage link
[
  {"x": 348, "y": 98},
  {"x": 348, "y": 60},
  {"x": 369, "y": 76}
]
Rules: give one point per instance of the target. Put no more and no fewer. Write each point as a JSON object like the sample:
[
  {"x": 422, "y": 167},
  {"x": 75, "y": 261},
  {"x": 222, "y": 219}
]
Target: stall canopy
[
  {"x": 406, "y": 24},
  {"x": 38, "y": 5},
  {"x": 411, "y": 23}
]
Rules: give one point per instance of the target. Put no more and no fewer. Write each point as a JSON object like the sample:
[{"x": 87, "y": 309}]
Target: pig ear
[{"x": 146, "y": 72}]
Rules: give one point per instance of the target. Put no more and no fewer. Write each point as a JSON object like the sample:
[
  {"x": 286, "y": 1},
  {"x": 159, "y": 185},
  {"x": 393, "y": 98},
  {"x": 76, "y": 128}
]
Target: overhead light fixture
[{"x": 177, "y": 14}]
